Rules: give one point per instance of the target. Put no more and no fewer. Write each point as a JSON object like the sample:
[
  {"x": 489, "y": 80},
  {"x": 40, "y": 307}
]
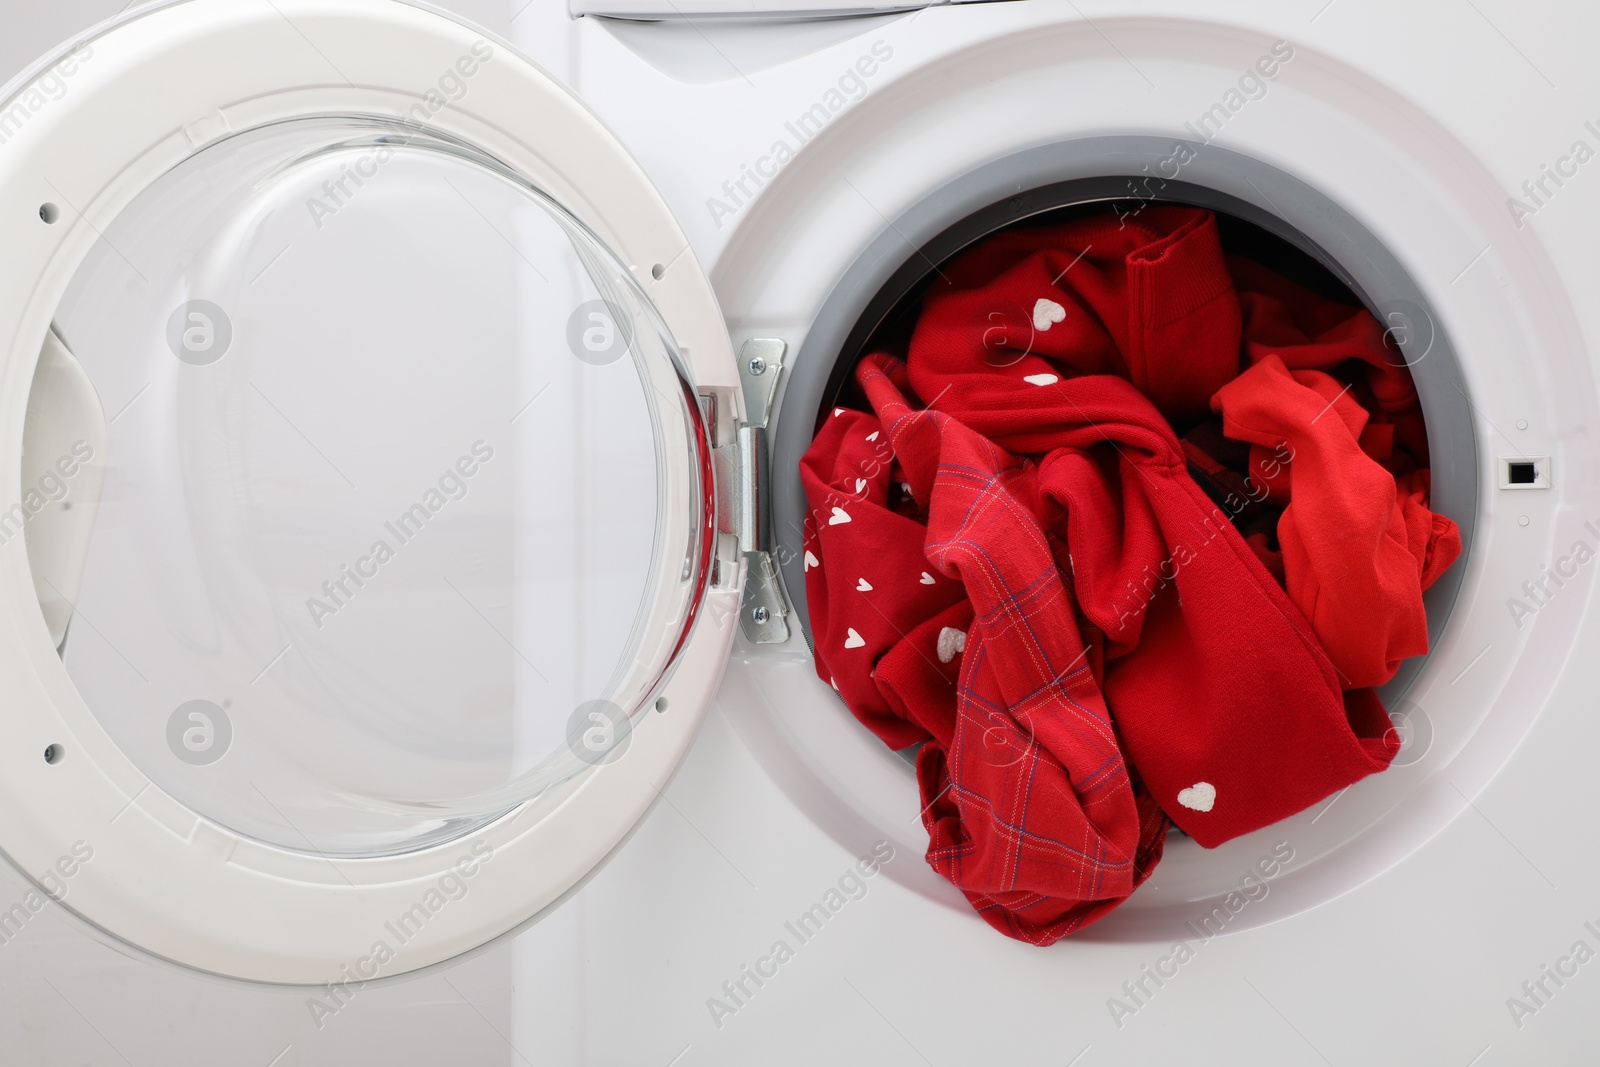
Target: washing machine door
[{"x": 360, "y": 575}]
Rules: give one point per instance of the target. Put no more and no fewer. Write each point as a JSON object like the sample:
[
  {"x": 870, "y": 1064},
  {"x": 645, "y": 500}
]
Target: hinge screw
[
  {"x": 758, "y": 366},
  {"x": 760, "y": 614}
]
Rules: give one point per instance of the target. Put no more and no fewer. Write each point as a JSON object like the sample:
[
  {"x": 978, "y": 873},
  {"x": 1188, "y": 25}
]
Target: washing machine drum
[{"x": 359, "y": 574}]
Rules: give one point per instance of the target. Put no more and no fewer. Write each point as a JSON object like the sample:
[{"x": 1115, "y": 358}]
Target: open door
[{"x": 359, "y": 407}]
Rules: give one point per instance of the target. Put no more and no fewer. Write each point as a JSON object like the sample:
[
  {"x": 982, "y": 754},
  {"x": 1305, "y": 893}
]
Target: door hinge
[{"x": 743, "y": 493}]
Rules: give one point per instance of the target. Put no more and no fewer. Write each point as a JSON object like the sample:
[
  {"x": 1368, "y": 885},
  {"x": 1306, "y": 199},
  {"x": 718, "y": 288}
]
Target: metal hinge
[{"x": 743, "y": 486}]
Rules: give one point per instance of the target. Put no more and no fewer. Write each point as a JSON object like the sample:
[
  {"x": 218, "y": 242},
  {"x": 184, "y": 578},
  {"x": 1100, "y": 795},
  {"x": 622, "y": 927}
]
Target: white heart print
[
  {"x": 926, "y": 579},
  {"x": 952, "y": 642},
  {"x": 863, "y": 586},
  {"x": 1198, "y": 797},
  {"x": 861, "y": 483},
  {"x": 1046, "y": 313},
  {"x": 839, "y": 516},
  {"x": 873, "y": 436},
  {"x": 811, "y": 561},
  {"x": 1041, "y": 379},
  {"x": 853, "y": 639}
]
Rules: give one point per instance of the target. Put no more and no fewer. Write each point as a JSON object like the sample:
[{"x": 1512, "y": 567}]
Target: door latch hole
[
  {"x": 1525, "y": 472},
  {"x": 53, "y": 754},
  {"x": 49, "y": 213}
]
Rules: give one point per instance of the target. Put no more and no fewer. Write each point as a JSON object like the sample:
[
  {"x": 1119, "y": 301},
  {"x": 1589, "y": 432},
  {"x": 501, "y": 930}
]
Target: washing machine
[{"x": 402, "y": 555}]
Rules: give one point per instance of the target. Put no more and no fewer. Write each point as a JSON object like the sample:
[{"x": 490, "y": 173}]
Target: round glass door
[{"x": 384, "y": 546}]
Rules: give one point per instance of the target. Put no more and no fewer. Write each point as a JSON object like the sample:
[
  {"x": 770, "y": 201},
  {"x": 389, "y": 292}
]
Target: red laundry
[
  {"x": 1309, "y": 332},
  {"x": 1359, "y": 544},
  {"x": 1020, "y": 760},
  {"x": 1150, "y": 301},
  {"x": 1022, "y": 574},
  {"x": 1028, "y": 804}
]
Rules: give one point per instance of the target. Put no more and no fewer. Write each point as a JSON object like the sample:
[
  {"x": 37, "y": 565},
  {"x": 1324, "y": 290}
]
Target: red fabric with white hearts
[
  {"x": 1039, "y": 511},
  {"x": 1149, "y": 301},
  {"x": 1027, "y": 801}
]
